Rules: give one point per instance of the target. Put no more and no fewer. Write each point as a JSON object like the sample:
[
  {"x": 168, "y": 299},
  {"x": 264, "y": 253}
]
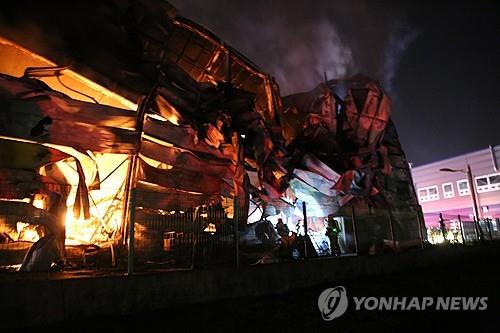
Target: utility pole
[
  {"x": 474, "y": 202},
  {"x": 304, "y": 212},
  {"x": 473, "y": 191},
  {"x": 477, "y": 227}
]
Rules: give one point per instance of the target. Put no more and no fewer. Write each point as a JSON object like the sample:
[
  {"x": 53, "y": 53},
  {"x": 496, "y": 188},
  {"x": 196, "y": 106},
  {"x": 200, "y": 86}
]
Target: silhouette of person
[{"x": 282, "y": 228}]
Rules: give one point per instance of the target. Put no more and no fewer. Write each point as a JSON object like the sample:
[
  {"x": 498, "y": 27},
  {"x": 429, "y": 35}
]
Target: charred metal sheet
[
  {"x": 35, "y": 112},
  {"x": 210, "y": 124},
  {"x": 181, "y": 179},
  {"x": 186, "y": 159},
  {"x": 155, "y": 196},
  {"x": 183, "y": 137},
  {"x": 367, "y": 111}
]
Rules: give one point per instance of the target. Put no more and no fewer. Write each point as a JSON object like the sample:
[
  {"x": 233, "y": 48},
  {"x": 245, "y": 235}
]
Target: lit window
[
  {"x": 448, "y": 191},
  {"x": 428, "y": 194},
  {"x": 488, "y": 183},
  {"x": 463, "y": 187}
]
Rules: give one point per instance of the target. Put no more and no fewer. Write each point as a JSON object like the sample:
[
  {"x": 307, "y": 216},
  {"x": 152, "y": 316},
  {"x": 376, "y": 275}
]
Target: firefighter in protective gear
[
  {"x": 282, "y": 228},
  {"x": 333, "y": 232}
]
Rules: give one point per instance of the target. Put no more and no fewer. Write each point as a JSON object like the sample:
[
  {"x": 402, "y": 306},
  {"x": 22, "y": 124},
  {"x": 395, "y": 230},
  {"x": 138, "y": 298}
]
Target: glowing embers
[
  {"x": 28, "y": 232},
  {"x": 20, "y": 221},
  {"x": 165, "y": 111},
  {"x": 105, "y": 178},
  {"x": 210, "y": 228},
  {"x": 21, "y": 232},
  {"x": 156, "y": 164}
]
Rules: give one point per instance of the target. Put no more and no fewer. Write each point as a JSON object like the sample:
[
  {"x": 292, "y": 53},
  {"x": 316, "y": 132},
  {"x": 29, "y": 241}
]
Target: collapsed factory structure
[{"x": 125, "y": 126}]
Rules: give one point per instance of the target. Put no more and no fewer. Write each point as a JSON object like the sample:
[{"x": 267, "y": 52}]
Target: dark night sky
[{"x": 440, "y": 62}]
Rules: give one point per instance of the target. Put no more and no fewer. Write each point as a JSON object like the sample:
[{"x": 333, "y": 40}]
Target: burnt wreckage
[{"x": 127, "y": 106}]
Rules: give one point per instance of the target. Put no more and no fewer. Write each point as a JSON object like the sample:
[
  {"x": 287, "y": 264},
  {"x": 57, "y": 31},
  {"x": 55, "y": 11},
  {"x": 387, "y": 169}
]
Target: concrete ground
[{"x": 476, "y": 273}]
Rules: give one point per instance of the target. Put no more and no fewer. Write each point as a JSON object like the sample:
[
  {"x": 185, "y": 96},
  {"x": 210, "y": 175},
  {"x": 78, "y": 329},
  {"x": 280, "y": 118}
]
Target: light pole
[{"x": 475, "y": 206}]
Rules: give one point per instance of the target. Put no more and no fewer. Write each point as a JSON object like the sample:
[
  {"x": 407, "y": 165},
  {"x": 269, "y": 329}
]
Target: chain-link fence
[
  {"x": 463, "y": 229},
  {"x": 56, "y": 229},
  {"x": 180, "y": 236}
]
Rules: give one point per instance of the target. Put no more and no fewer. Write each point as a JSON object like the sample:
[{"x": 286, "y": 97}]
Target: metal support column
[
  {"x": 236, "y": 218},
  {"x": 421, "y": 228},
  {"x": 304, "y": 212},
  {"x": 488, "y": 224},
  {"x": 354, "y": 229},
  {"x": 442, "y": 227},
  {"x": 131, "y": 232},
  {"x": 391, "y": 229}
]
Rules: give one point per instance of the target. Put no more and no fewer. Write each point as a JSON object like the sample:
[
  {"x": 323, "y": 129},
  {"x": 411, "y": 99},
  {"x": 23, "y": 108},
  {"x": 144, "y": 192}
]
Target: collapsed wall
[{"x": 351, "y": 144}]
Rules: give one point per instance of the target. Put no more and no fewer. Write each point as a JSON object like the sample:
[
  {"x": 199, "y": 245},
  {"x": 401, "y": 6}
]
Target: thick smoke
[
  {"x": 298, "y": 41},
  {"x": 303, "y": 66},
  {"x": 400, "y": 38}
]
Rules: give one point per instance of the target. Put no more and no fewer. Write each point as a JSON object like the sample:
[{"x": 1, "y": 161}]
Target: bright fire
[
  {"x": 27, "y": 232},
  {"x": 105, "y": 174},
  {"x": 106, "y": 203}
]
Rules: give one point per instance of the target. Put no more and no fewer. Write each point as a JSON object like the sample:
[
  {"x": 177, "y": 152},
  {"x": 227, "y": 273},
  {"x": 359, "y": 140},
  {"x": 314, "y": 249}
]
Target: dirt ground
[{"x": 297, "y": 311}]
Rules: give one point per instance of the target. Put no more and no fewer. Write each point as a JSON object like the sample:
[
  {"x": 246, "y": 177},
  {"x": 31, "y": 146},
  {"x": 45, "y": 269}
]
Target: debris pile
[{"x": 144, "y": 98}]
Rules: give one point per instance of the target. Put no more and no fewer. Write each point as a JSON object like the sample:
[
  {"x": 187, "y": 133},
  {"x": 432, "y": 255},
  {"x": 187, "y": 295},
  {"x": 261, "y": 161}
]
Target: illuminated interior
[
  {"x": 105, "y": 173},
  {"x": 15, "y": 60},
  {"x": 106, "y": 202}
]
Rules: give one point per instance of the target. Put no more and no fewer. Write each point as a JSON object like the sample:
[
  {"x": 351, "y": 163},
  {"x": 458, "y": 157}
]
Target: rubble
[{"x": 203, "y": 124}]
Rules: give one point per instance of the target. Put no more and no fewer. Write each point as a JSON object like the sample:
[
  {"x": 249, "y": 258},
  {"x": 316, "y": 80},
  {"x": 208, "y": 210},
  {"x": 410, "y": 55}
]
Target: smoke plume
[{"x": 298, "y": 41}]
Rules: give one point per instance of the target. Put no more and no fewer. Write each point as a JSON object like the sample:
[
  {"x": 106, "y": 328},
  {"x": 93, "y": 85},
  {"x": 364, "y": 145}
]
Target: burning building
[{"x": 124, "y": 111}]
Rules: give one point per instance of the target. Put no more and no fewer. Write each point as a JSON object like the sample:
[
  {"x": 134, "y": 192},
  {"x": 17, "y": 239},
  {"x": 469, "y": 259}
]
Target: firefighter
[
  {"x": 282, "y": 228},
  {"x": 332, "y": 232}
]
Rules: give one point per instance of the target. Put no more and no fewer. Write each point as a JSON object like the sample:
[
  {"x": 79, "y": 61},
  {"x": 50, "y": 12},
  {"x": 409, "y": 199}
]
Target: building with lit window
[{"x": 443, "y": 186}]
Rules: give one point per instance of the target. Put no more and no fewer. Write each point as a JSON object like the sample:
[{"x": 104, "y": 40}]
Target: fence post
[
  {"x": 488, "y": 224},
  {"x": 236, "y": 218},
  {"x": 131, "y": 230},
  {"x": 478, "y": 229},
  {"x": 442, "y": 226},
  {"x": 421, "y": 227},
  {"x": 497, "y": 222},
  {"x": 462, "y": 232},
  {"x": 304, "y": 212},
  {"x": 391, "y": 229},
  {"x": 353, "y": 218}
]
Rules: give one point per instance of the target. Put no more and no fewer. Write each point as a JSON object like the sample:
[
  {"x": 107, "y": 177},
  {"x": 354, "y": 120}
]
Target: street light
[{"x": 473, "y": 196}]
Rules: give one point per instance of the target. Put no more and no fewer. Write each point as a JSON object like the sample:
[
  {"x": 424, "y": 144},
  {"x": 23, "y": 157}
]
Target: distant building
[{"x": 449, "y": 193}]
